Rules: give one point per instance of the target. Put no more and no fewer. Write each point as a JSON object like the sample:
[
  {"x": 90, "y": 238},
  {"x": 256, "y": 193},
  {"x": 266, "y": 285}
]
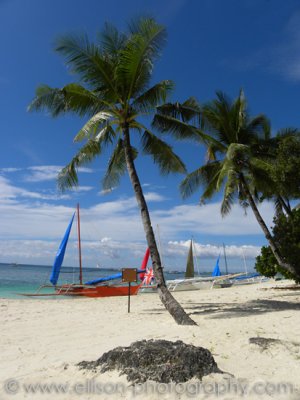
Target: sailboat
[
  {"x": 102, "y": 287},
  {"x": 189, "y": 282},
  {"x": 192, "y": 282}
]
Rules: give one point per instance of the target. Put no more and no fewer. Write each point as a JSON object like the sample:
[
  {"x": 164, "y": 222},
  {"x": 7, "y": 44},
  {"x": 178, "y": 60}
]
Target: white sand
[{"x": 42, "y": 340}]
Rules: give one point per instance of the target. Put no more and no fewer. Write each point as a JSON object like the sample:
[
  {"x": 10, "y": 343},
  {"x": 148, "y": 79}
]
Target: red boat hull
[{"x": 97, "y": 291}]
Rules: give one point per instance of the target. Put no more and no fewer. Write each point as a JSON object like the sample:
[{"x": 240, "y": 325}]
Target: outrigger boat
[
  {"x": 192, "y": 282},
  {"x": 102, "y": 287}
]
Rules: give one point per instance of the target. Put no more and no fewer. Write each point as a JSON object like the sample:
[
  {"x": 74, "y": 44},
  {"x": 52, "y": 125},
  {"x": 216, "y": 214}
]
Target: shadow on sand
[{"x": 237, "y": 310}]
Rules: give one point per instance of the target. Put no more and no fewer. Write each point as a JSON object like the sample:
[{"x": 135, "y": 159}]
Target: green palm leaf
[
  {"x": 157, "y": 94},
  {"x": 162, "y": 154},
  {"x": 71, "y": 98},
  {"x": 99, "y": 123},
  {"x": 85, "y": 59},
  {"x": 116, "y": 166},
  {"x": 188, "y": 111},
  {"x": 205, "y": 175},
  {"x": 137, "y": 57},
  {"x": 49, "y": 99},
  {"x": 68, "y": 176},
  {"x": 111, "y": 41}
]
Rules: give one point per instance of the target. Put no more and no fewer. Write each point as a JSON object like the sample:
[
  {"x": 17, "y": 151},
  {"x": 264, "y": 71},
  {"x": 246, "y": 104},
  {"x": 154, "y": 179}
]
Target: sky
[{"x": 212, "y": 45}]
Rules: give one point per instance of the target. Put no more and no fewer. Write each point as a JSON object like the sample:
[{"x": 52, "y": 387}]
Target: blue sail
[
  {"x": 216, "y": 271},
  {"x": 60, "y": 255}
]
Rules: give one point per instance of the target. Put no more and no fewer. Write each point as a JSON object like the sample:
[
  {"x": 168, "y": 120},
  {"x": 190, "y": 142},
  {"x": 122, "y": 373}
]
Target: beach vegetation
[
  {"x": 113, "y": 91},
  {"x": 286, "y": 233}
]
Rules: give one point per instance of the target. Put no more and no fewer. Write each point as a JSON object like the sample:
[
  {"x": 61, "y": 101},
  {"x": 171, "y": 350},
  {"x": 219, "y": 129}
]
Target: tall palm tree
[
  {"x": 114, "y": 93},
  {"x": 238, "y": 160}
]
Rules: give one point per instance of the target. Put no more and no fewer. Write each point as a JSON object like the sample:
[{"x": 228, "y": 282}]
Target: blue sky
[{"x": 212, "y": 45}]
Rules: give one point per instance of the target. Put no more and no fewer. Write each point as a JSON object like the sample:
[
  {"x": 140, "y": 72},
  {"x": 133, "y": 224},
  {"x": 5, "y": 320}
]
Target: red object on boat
[{"x": 97, "y": 291}]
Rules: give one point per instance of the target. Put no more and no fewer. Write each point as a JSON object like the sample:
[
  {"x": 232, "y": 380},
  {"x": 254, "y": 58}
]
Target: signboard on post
[{"x": 129, "y": 275}]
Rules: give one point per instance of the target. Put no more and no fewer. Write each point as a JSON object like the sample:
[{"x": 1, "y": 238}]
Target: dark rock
[{"x": 156, "y": 360}]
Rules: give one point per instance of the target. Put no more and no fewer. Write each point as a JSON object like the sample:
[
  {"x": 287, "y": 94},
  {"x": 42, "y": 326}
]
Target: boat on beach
[
  {"x": 192, "y": 282},
  {"x": 101, "y": 287}
]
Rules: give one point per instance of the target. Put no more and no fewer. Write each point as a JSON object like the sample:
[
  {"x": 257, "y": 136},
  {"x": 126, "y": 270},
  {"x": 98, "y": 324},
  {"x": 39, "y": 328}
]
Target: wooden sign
[{"x": 129, "y": 275}]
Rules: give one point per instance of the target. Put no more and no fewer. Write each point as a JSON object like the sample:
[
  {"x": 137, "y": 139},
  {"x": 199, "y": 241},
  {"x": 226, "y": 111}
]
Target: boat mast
[
  {"x": 226, "y": 267},
  {"x": 245, "y": 265},
  {"x": 79, "y": 245}
]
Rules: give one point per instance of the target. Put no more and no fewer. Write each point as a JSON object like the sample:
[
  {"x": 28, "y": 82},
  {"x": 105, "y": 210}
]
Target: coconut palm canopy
[{"x": 114, "y": 91}]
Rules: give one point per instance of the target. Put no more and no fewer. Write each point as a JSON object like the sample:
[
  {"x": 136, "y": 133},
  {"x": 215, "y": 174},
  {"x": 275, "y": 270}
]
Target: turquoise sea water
[{"x": 21, "y": 278}]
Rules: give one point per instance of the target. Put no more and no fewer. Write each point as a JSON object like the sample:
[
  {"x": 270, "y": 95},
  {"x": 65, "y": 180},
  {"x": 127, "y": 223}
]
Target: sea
[{"x": 19, "y": 279}]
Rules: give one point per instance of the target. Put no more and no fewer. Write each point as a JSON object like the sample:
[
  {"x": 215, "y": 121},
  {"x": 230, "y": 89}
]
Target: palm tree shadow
[{"x": 237, "y": 310}]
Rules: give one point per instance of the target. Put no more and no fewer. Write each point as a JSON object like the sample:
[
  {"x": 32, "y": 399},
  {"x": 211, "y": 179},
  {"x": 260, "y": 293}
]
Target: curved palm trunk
[
  {"x": 167, "y": 299},
  {"x": 265, "y": 229},
  {"x": 285, "y": 206}
]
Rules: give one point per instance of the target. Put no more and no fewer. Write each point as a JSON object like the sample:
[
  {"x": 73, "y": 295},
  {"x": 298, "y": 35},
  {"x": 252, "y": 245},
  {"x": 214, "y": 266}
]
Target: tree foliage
[
  {"x": 286, "y": 233},
  {"x": 266, "y": 263},
  {"x": 285, "y": 170}
]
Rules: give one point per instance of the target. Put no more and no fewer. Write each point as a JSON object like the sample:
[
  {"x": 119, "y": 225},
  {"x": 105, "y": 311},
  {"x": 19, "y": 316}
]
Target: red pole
[{"x": 79, "y": 245}]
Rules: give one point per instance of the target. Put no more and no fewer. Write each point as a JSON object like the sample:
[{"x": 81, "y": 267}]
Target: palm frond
[
  {"x": 82, "y": 101},
  {"x": 111, "y": 41},
  {"x": 116, "y": 166},
  {"x": 154, "y": 96},
  {"x": 188, "y": 111},
  {"x": 162, "y": 154},
  {"x": 226, "y": 172},
  {"x": 98, "y": 122},
  {"x": 205, "y": 175},
  {"x": 178, "y": 129},
  {"x": 137, "y": 57},
  {"x": 68, "y": 177},
  {"x": 85, "y": 59},
  {"x": 49, "y": 99},
  {"x": 227, "y": 204},
  {"x": 71, "y": 98}
]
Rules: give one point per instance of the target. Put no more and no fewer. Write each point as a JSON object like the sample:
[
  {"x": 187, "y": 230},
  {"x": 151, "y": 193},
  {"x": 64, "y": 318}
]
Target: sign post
[{"x": 129, "y": 275}]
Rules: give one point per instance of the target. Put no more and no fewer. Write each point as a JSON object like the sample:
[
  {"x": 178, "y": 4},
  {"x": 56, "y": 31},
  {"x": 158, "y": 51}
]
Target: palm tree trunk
[
  {"x": 285, "y": 206},
  {"x": 167, "y": 299},
  {"x": 265, "y": 229}
]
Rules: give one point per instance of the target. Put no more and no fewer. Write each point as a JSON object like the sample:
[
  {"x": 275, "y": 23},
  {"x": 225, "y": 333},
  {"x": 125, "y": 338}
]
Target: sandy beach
[{"x": 43, "y": 340}]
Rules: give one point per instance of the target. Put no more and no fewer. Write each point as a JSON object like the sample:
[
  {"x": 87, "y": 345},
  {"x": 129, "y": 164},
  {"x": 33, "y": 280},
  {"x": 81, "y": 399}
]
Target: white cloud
[
  {"x": 152, "y": 196},
  {"x": 43, "y": 173},
  {"x": 79, "y": 189},
  {"x": 8, "y": 170},
  {"x": 175, "y": 248},
  {"x": 106, "y": 191},
  {"x": 10, "y": 193},
  {"x": 208, "y": 220}
]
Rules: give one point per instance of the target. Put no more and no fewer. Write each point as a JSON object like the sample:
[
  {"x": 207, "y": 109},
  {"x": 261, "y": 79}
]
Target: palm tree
[
  {"x": 238, "y": 160},
  {"x": 114, "y": 93}
]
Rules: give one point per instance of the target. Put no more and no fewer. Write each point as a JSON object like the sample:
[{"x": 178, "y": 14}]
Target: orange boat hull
[{"x": 97, "y": 291}]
